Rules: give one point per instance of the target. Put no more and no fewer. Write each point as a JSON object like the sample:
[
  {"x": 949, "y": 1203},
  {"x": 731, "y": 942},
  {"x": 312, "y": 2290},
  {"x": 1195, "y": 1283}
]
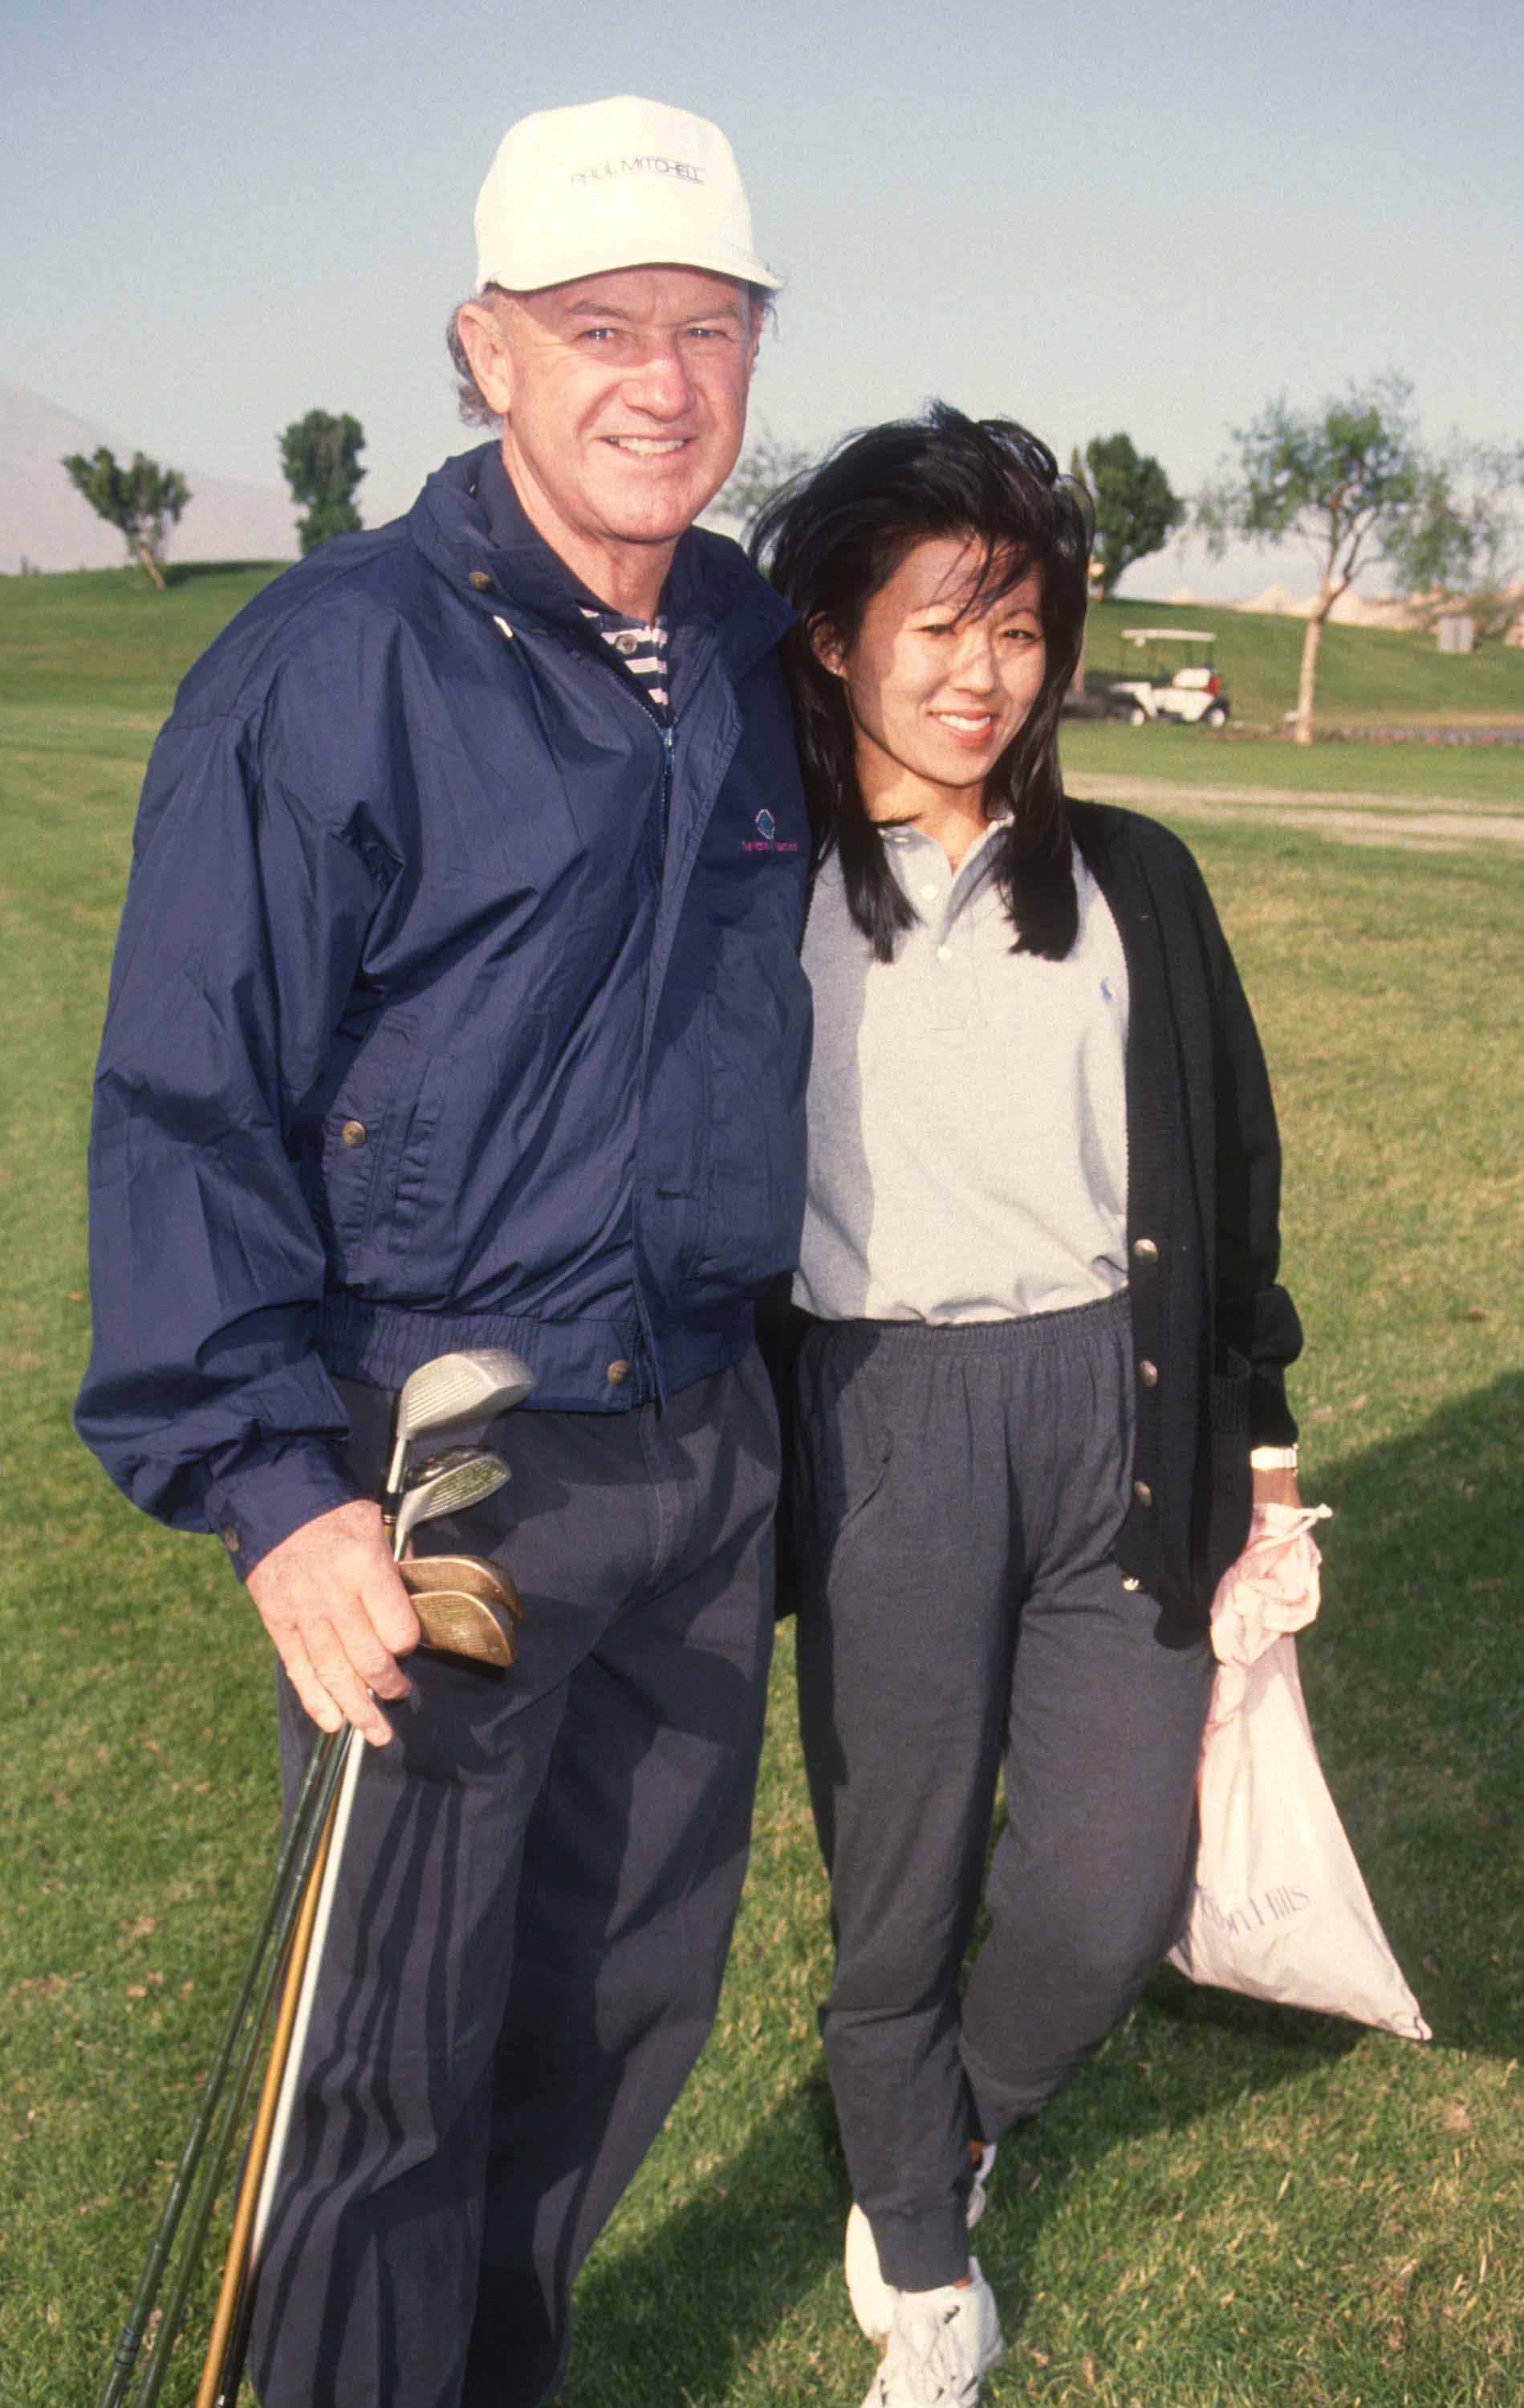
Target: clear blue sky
[{"x": 1152, "y": 217}]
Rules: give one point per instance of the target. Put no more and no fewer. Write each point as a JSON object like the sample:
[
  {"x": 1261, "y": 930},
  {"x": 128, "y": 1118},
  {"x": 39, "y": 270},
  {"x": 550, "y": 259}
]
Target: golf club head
[
  {"x": 472, "y": 1386},
  {"x": 448, "y": 1484},
  {"x": 422, "y": 1575},
  {"x": 466, "y": 1607}
]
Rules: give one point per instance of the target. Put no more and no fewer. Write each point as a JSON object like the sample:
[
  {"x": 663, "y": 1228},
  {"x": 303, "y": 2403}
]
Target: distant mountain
[{"x": 44, "y": 521}]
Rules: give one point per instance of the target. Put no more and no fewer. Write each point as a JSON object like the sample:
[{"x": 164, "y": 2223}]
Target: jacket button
[
  {"x": 617, "y": 1373},
  {"x": 355, "y": 1133},
  {"x": 481, "y": 580},
  {"x": 1148, "y": 1373},
  {"x": 1141, "y": 1491},
  {"x": 1145, "y": 1250},
  {"x": 1131, "y": 1583}
]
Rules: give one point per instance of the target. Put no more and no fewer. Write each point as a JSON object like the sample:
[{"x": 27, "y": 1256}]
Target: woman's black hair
[{"x": 837, "y": 534}]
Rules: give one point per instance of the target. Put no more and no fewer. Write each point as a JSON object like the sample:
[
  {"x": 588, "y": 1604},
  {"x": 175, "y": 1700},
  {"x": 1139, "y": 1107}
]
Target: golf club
[
  {"x": 234, "y": 2057},
  {"x": 472, "y": 1386},
  {"x": 447, "y": 1485},
  {"x": 455, "y": 1388},
  {"x": 464, "y": 1607},
  {"x": 473, "y": 1617}
]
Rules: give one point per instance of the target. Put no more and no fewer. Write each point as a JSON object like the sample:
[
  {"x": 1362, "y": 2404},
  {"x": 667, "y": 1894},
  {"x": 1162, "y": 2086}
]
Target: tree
[
  {"x": 136, "y": 500},
  {"x": 1465, "y": 546},
  {"x": 763, "y": 468},
  {"x": 320, "y": 455},
  {"x": 1353, "y": 480},
  {"x": 1136, "y": 510}
]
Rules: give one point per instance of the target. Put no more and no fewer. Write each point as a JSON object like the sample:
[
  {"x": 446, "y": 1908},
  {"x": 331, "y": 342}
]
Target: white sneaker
[
  {"x": 872, "y": 2299},
  {"x": 942, "y": 2343}
]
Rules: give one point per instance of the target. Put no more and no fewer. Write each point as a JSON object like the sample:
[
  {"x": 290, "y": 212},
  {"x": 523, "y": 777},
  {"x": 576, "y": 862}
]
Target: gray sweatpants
[
  {"x": 533, "y": 1913},
  {"x": 955, "y": 1497}
]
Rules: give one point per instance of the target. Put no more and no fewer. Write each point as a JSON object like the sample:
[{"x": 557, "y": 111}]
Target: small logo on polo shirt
[{"x": 766, "y": 837}]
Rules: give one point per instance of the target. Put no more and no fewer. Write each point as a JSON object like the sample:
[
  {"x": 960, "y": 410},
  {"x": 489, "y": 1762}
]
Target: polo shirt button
[
  {"x": 627, "y": 643},
  {"x": 355, "y": 1133},
  {"x": 1145, "y": 1250},
  {"x": 928, "y": 892},
  {"x": 1148, "y": 1373},
  {"x": 617, "y": 1374},
  {"x": 944, "y": 952},
  {"x": 481, "y": 580},
  {"x": 1141, "y": 1491}
]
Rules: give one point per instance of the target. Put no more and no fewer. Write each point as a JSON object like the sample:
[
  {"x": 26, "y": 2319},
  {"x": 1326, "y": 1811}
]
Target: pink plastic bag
[
  {"x": 1274, "y": 1587},
  {"x": 1280, "y": 1909}
]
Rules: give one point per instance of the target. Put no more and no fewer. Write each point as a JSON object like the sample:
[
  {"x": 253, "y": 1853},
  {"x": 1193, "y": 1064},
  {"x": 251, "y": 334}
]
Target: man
[{"x": 458, "y": 1003}]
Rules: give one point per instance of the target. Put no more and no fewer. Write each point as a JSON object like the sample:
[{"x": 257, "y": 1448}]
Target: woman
[{"x": 1040, "y": 1338}]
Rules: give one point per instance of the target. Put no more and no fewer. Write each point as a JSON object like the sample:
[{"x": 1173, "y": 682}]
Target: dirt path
[{"x": 1421, "y": 823}]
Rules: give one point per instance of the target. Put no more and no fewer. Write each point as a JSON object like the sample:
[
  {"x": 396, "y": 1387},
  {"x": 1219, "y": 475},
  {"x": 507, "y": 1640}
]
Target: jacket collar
[{"x": 508, "y": 566}]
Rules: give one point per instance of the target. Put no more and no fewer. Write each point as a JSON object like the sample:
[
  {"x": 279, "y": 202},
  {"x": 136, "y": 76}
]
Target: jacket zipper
[
  {"x": 666, "y": 727},
  {"x": 667, "y": 730}
]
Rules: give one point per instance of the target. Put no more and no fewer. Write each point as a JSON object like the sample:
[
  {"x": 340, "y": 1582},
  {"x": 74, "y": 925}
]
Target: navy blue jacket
[{"x": 456, "y": 1002}]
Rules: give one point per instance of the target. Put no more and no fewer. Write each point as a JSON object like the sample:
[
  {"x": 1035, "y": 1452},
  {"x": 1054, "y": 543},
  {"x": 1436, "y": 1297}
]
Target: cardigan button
[
  {"x": 1145, "y": 1250},
  {"x": 355, "y": 1133},
  {"x": 1148, "y": 1373},
  {"x": 1141, "y": 1491},
  {"x": 481, "y": 580},
  {"x": 617, "y": 1373}
]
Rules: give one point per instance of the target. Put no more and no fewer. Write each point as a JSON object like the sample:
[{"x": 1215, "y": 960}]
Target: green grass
[
  {"x": 1235, "y": 2207},
  {"x": 1471, "y": 773},
  {"x": 1366, "y": 677}
]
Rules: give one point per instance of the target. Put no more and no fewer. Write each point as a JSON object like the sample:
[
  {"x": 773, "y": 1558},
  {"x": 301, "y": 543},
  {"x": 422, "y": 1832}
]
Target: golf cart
[{"x": 1193, "y": 696}]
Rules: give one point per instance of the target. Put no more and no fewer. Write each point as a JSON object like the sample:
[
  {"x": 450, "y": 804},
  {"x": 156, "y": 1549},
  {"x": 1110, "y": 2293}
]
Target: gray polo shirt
[{"x": 967, "y": 1123}]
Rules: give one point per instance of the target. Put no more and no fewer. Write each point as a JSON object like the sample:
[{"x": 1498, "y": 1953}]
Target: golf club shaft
[
  {"x": 230, "y": 2293},
  {"x": 501, "y": 1380},
  {"x": 290, "y": 2070},
  {"x": 277, "y": 2101},
  {"x": 220, "y": 2145},
  {"x": 289, "y": 2073},
  {"x": 281, "y": 1891}
]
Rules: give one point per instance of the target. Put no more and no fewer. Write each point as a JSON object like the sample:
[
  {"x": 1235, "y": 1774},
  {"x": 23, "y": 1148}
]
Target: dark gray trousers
[
  {"x": 536, "y": 1901},
  {"x": 955, "y": 1497}
]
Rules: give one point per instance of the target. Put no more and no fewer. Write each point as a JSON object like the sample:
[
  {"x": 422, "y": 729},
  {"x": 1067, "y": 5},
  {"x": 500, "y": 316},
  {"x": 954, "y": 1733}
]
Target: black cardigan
[{"x": 1213, "y": 1330}]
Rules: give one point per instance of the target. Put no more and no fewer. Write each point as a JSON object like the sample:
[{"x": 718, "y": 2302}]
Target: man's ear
[
  {"x": 483, "y": 332},
  {"x": 827, "y": 647}
]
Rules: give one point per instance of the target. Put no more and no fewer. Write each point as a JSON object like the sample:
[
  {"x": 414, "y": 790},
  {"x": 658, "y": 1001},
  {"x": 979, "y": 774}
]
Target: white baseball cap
[{"x": 613, "y": 183}]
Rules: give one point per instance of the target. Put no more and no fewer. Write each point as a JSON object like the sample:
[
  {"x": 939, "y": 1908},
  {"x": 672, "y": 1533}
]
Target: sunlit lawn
[{"x": 1235, "y": 2207}]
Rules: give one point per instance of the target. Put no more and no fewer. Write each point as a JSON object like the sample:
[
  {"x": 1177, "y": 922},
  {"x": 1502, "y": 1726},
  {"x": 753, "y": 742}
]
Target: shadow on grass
[
  {"x": 1413, "y": 1680},
  {"x": 676, "y": 2316},
  {"x": 684, "y": 2314},
  {"x": 1415, "y": 1688}
]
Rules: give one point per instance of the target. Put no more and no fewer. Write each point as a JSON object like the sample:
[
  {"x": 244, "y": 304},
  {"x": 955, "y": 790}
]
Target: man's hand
[{"x": 330, "y": 1600}]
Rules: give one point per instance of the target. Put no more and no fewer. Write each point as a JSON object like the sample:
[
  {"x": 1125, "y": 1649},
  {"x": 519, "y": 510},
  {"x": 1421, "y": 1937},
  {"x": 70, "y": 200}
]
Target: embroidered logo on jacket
[{"x": 766, "y": 837}]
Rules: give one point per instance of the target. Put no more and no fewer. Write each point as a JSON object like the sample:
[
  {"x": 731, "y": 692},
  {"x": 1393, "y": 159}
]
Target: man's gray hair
[{"x": 472, "y": 403}]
